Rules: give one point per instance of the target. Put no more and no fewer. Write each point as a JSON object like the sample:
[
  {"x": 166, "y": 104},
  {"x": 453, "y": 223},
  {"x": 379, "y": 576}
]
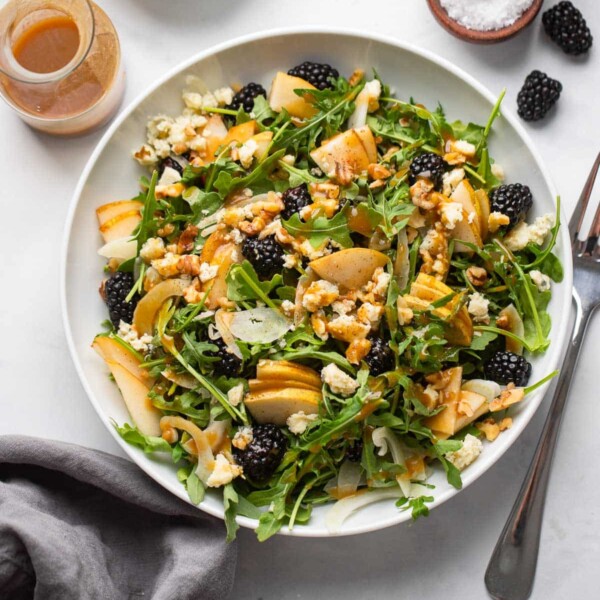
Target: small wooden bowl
[{"x": 483, "y": 37}]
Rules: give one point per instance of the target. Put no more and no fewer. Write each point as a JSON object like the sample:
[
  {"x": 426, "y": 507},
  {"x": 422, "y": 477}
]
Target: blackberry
[
  {"x": 266, "y": 255},
  {"x": 428, "y": 165},
  {"x": 566, "y": 27},
  {"x": 537, "y": 96},
  {"x": 228, "y": 364},
  {"x": 318, "y": 74},
  {"x": 245, "y": 97},
  {"x": 170, "y": 162},
  {"x": 295, "y": 199},
  {"x": 263, "y": 454},
  {"x": 380, "y": 358},
  {"x": 114, "y": 291},
  {"x": 354, "y": 452},
  {"x": 513, "y": 200},
  {"x": 507, "y": 367}
]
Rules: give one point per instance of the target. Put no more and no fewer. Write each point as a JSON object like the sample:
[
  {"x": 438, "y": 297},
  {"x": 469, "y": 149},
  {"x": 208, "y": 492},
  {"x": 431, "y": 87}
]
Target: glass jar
[{"x": 71, "y": 98}]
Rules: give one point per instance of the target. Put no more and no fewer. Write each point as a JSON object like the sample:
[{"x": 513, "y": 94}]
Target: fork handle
[{"x": 511, "y": 569}]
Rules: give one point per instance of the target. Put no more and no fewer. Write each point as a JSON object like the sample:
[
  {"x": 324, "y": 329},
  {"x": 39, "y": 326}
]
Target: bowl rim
[{"x": 553, "y": 355}]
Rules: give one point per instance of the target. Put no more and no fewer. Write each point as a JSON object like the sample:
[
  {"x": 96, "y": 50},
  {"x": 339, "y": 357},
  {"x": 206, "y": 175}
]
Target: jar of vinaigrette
[{"x": 60, "y": 64}]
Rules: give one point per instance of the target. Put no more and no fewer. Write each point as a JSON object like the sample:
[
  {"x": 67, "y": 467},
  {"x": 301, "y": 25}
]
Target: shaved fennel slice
[
  {"x": 386, "y": 441},
  {"x": 262, "y": 324},
  {"x": 342, "y": 509},
  {"x": 487, "y": 388},
  {"x": 347, "y": 481},
  {"x": 223, "y": 320}
]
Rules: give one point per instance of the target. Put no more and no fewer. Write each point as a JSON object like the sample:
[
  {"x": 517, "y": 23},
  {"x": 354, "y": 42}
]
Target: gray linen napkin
[{"x": 80, "y": 524}]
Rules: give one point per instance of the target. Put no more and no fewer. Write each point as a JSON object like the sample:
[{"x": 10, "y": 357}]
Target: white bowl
[{"x": 111, "y": 174}]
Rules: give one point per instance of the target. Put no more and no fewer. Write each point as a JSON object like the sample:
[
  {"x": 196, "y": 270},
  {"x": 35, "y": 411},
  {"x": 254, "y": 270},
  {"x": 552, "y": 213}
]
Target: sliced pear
[
  {"x": 275, "y": 406},
  {"x": 514, "y": 324},
  {"x": 148, "y": 307},
  {"x": 443, "y": 424},
  {"x": 347, "y": 154},
  {"x": 487, "y": 388},
  {"x": 135, "y": 394},
  {"x": 350, "y": 268},
  {"x": 238, "y": 133},
  {"x": 260, "y": 385},
  {"x": 120, "y": 226},
  {"x": 482, "y": 201},
  {"x": 468, "y": 229},
  {"x": 225, "y": 256},
  {"x": 282, "y": 96},
  {"x": 111, "y": 349},
  {"x": 109, "y": 211},
  {"x": 263, "y": 141},
  {"x": 282, "y": 370},
  {"x": 122, "y": 249},
  {"x": 358, "y": 220},
  {"x": 477, "y": 405}
]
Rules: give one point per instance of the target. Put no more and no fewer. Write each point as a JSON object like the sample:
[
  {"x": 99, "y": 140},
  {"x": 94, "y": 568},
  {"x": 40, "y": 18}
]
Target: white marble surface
[{"x": 443, "y": 556}]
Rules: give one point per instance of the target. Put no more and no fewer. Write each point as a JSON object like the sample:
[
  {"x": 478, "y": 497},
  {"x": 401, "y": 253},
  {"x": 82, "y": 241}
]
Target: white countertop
[{"x": 442, "y": 556}]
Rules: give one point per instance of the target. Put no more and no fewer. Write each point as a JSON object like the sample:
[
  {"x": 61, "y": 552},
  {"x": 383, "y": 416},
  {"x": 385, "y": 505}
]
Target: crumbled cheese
[
  {"x": 246, "y": 152},
  {"x": 169, "y": 176},
  {"x": 129, "y": 334},
  {"x": 347, "y": 328},
  {"x": 236, "y": 394},
  {"x": 208, "y": 271},
  {"x": 497, "y": 220},
  {"x": 224, "y": 95},
  {"x": 370, "y": 313},
  {"x": 319, "y": 294},
  {"x": 472, "y": 217},
  {"x": 451, "y": 179},
  {"x": 236, "y": 236},
  {"x": 223, "y": 472},
  {"x": 338, "y": 381},
  {"x": 290, "y": 261},
  {"x": 298, "y": 422},
  {"x": 478, "y": 307},
  {"x": 307, "y": 249},
  {"x": 288, "y": 308},
  {"x": 470, "y": 451},
  {"x": 146, "y": 155},
  {"x": 243, "y": 436},
  {"x": 541, "y": 280},
  {"x": 430, "y": 241},
  {"x": 524, "y": 234},
  {"x": 153, "y": 249},
  {"x": 343, "y": 307},
  {"x": 382, "y": 281},
  {"x": 451, "y": 213}
]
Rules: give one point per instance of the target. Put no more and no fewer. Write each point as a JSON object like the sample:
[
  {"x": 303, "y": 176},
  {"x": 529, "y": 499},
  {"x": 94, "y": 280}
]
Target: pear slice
[
  {"x": 468, "y": 229},
  {"x": 238, "y": 133},
  {"x": 477, "y": 405},
  {"x": 148, "y": 307},
  {"x": 275, "y": 406},
  {"x": 260, "y": 385},
  {"x": 443, "y": 424},
  {"x": 282, "y": 370},
  {"x": 121, "y": 226},
  {"x": 514, "y": 324},
  {"x": 350, "y": 268},
  {"x": 482, "y": 201},
  {"x": 263, "y": 141},
  {"x": 109, "y": 211},
  {"x": 225, "y": 256},
  {"x": 145, "y": 416},
  {"x": 110, "y": 349},
  {"x": 346, "y": 154},
  {"x": 282, "y": 96}
]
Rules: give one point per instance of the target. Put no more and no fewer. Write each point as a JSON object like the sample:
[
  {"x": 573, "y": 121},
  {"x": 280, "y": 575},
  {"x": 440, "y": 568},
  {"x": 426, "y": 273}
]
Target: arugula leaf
[
  {"x": 194, "y": 488},
  {"x": 262, "y": 110},
  {"x": 147, "y": 225},
  {"x": 417, "y": 505},
  {"x": 268, "y": 526},
  {"x": 230, "y": 502},
  {"x": 243, "y": 284},
  {"x": 148, "y": 443},
  {"x": 318, "y": 229},
  {"x": 480, "y": 342}
]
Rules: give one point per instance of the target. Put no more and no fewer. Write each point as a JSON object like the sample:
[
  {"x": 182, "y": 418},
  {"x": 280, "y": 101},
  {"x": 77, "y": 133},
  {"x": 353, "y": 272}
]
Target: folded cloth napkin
[{"x": 79, "y": 524}]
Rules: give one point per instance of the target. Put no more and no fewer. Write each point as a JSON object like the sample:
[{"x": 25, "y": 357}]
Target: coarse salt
[{"x": 485, "y": 15}]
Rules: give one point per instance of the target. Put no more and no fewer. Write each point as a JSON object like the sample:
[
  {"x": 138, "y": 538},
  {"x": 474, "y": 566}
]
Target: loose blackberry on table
[
  {"x": 295, "y": 199},
  {"x": 537, "y": 96},
  {"x": 320, "y": 75},
  {"x": 265, "y": 255},
  {"x": 429, "y": 165},
  {"x": 228, "y": 364},
  {"x": 263, "y": 454},
  {"x": 566, "y": 27},
  {"x": 116, "y": 290},
  {"x": 508, "y": 367},
  {"x": 513, "y": 200},
  {"x": 246, "y": 96},
  {"x": 380, "y": 358}
]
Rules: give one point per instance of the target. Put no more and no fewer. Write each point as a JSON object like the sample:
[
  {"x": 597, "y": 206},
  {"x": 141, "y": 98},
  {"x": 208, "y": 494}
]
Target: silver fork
[{"x": 511, "y": 569}]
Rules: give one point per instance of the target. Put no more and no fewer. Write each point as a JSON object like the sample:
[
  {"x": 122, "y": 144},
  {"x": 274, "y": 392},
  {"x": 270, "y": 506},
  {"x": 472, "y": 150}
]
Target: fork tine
[{"x": 580, "y": 208}]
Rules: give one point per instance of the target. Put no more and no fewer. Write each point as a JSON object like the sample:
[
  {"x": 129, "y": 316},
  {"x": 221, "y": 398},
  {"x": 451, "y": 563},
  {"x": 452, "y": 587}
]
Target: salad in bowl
[{"x": 322, "y": 292}]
